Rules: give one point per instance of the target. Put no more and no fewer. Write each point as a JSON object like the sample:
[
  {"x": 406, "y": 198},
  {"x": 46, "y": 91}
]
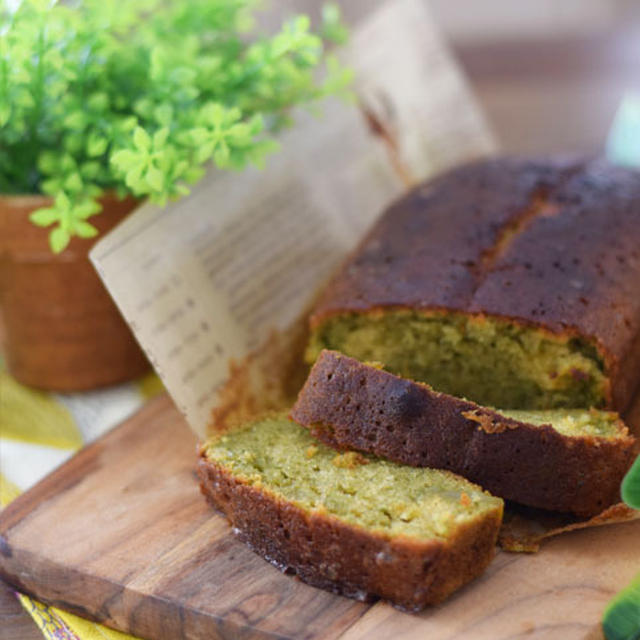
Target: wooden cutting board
[{"x": 120, "y": 534}]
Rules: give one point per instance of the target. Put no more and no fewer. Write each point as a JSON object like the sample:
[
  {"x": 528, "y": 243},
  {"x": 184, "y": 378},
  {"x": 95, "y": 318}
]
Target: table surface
[{"x": 539, "y": 97}]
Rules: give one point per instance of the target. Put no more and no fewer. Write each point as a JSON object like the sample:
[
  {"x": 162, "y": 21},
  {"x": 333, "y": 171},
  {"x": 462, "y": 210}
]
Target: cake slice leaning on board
[
  {"x": 349, "y": 523},
  {"x": 560, "y": 459},
  {"x": 512, "y": 282}
]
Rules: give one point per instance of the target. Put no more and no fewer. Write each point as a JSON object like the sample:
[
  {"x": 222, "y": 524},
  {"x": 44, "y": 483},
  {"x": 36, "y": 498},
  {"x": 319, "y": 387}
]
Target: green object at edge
[
  {"x": 631, "y": 486},
  {"x": 621, "y": 619}
]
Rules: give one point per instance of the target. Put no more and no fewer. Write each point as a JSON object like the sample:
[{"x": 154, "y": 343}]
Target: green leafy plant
[
  {"x": 139, "y": 96},
  {"x": 631, "y": 486},
  {"x": 621, "y": 619}
]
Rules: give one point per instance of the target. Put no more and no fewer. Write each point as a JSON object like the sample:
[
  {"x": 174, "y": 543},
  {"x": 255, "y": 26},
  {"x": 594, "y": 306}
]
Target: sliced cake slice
[
  {"x": 346, "y": 522},
  {"x": 561, "y": 460},
  {"x": 510, "y": 281}
]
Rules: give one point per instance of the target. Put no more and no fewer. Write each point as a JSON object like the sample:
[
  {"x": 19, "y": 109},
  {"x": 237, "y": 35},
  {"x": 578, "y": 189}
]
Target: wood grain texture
[
  {"x": 559, "y": 593},
  {"x": 120, "y": 534},
  {"x": 15, "y": 622}
]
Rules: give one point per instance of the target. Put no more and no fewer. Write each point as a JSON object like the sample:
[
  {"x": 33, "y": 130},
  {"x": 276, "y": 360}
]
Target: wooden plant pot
[{"x": 62, "y": 330}]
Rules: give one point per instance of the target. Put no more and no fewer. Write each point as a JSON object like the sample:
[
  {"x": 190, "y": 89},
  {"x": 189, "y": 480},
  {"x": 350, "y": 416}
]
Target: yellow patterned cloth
[{"x": 38, "y": 432}]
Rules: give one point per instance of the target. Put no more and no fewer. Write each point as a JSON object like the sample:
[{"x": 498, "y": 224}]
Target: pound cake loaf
[
  {"x": 560, "y": 459},
  {"x": 346, "y": 522},
  {"x": 512, "y": 282}
]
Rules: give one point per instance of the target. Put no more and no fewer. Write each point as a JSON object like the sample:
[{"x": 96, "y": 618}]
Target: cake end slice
[{"x": 351, "y": 524}]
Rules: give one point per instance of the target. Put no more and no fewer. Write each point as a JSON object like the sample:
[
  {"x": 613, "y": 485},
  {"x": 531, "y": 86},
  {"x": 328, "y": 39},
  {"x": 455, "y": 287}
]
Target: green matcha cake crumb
[
  {"x": 380, "y": 496},
  {"x": 573, "y": 422},
  {"x": 488, "y": 360}
]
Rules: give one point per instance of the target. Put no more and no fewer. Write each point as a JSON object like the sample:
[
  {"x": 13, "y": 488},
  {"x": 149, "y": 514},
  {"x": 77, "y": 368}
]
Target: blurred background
[{"x": 548, "y": 74}]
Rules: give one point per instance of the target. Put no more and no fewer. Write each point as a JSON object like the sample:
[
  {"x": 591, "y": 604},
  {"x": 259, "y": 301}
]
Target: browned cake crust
[
  {"x": 348, "y": 404},
  {"x": 327, "y": 553},
  {"x": 549, "y": 243}
]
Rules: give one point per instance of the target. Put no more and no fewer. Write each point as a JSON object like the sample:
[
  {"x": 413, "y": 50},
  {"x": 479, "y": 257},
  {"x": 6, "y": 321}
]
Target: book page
[{"x": 206, "y": 280}]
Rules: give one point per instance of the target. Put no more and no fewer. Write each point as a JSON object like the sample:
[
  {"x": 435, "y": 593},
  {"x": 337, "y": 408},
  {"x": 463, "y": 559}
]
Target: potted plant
[{"x": 104, "y": 103}]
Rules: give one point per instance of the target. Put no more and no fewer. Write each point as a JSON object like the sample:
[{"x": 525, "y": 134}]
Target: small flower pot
[{"x": 62, "y": 330}]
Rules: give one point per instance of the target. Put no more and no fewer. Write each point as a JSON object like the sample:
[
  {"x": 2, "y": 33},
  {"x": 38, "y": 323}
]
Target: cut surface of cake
[{"x": 347, "y": 522}]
